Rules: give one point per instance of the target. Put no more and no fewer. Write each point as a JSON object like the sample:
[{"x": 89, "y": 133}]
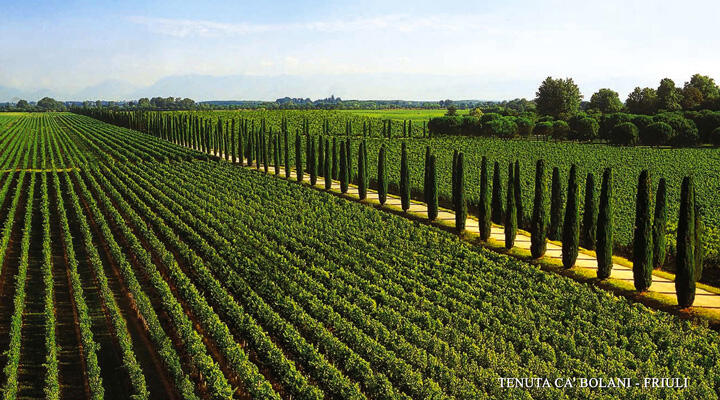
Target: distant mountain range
[{"x": 347, "y": 86}]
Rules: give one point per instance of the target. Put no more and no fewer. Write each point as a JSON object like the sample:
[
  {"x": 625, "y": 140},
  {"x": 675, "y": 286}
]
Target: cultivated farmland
[{"x": 136, "y": 267}]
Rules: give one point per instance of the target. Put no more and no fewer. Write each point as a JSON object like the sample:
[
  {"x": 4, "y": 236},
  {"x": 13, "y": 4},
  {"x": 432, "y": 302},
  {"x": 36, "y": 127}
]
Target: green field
[
  {"x": 401, "y": 114},
  {"x": 190, "y": 277}
]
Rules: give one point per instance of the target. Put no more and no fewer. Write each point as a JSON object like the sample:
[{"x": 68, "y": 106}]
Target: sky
[{"x": 415, "y": 50}]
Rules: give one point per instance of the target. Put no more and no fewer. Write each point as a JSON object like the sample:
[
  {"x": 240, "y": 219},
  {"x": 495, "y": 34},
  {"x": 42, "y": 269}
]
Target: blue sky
[{"x": 482, "y": 50}]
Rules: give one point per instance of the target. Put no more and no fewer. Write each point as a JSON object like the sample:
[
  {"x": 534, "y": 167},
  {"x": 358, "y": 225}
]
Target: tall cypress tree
[
  {"x": 286, "y": 152},
  {"x": 460, "y": 202},
  {"x": 258, "y": 149},
  {"x": 426, "y": 185},
  {"x": 642, "y": 238},
  {"x": 343, "y": 169},
  {"x": 335, "y": 171},
  {"x": 326, "y": 166},
  {"x": 556, "y": 207},
  {"x": 308, "y": 154},
  {"x": 432, "y": 204},
  {"x": 497, "y": 197},
  {"x": 348, "y": 159},
  {"x": 382, "y": 176},
  {"x": 518, "y": 195},
  {"x": 571, "y": 234},
  {"x": 685, "y": 260},
  {"x": 321, "y": 157},
  {"x": 312, "y": 162},
  {"x": 454, "y": 179},
  {"x": 484, "y": 210},
  {"x": 605, "y": 228},
  {"x": 660, "y": 225},
  {"x": 404, "y": 179},
  {"x": 298, "y": 158},
  {"x": 232, "y": 142},
  {"x": 589, "y": 224},
  {"x": 362, "y": 188},
  {"x": 276, "y": 155},
  {"x": 538, "y": 232},
  {"x": 265, "y": 150},
  {"x": 699, "y": 249},
  {"x": 510, "y": 211}
]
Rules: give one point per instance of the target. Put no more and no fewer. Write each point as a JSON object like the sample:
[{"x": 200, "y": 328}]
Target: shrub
[
  {"x": 586, "y": 129},
  {"x": 642, "y": 236},
  {"x": 609, "y": 121},
  {"x": 685, "y": 130},
  {"x": 714, "y": 137},
  {"x": 500, "y": 127},
  {"x": 561, "y": 130},
  {"x": 642, "y": 121},
  {"x": 445, "y": 125},
  {"x": 707, "y": 124},
  {"x": 524, "y": 126},
  {"x": 656, "y": 134},
  {"x": 625, "y": 133},
  {"x": 544, "y": 128}
]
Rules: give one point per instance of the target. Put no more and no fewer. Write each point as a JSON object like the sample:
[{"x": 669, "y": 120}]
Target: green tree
[
  {"x": 362, "y": 181},
  {"x": 432, "y": 204},
  {"x": 556, "y": 206},
  {"x": 642, "y": 101},
  {"x": 660, "y": 225},
  {"x": 538, "y": 226},
  {"x": 570, "y": 233},
  {"x": 382, "y": 176},
  {"x": 669, "y": 97},
  {"x": 404, "y": 179},
  {"x": 685, "y": 259},
  {"x": 343, "y": 169},
  {"x": 497, "y": 203},
  {"x": 335, "y": 169},
  {"x": 426, "y": 184},
  {"x": 276, "y": 155},
  {"x": 460, "y": 202},
  {"x": 484, "y": 209},
  {"x": 326, "y": 166},
  {"x": 706, "y": 87},
  {"x": 589, "y": 225},
  {"x": 286, "y": 154},
  {"x": 642, "y": 237},
  {"x": 699, "y": 249},
  {"x": 558, "y": 97},
  {"x": 298, "y": 158},
  {"x": 605, "y": 228},
  {"x": 517, "y": 190},
  {"x": 510, "y": 211},
  {"x": 606, "y": 101}
]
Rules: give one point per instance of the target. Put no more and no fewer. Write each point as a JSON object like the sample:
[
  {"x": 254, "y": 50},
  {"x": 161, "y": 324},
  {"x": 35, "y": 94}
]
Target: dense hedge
[{"x": 677, "y": 129}]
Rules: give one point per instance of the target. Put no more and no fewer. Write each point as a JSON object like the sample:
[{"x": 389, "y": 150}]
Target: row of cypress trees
[{"x": 595, "y": 232}]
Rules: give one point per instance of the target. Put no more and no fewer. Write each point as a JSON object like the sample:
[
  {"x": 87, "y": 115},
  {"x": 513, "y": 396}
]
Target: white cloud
[{"x": 397, "y": 23}]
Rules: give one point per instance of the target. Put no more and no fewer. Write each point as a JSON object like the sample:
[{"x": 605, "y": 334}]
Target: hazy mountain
[{"x": 251, "y": 87}]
